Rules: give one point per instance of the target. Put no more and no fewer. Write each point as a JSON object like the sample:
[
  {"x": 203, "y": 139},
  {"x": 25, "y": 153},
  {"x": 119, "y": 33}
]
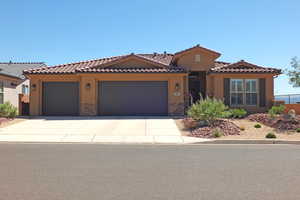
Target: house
[
  {"x": 14, "y": 86},
  {"x": 148, "y": 84}
]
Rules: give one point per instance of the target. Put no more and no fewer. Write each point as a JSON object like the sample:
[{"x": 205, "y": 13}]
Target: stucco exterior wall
[
  {"x": 89, "y": 96},
  {"x": 12, "y": 88},
  {"x": 216, "y": 87},
  {"x": 187, "y": 60}
]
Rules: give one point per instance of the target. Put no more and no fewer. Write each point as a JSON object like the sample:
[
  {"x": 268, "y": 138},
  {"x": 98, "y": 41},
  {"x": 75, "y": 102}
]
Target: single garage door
[
  {"x": 133, "y": 98},
  {"x": 60, "y": 98}
]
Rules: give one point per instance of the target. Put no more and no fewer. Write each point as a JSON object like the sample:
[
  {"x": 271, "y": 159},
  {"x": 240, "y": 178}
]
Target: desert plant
[
  {"x": 238, "y": 113},
  {"x": 298, "y": 130},
  {"x": 226, "y": 114},
  {"x": 217, "y": 133},
  {"x": 257, "y": 126},
  {"x": 270, "y": 135},
  {"x": 276, "y": 110},
  {"x": 8, "y": 110},
  {"x": 242, "y": 128},
  {"x": 208, "y": 109},
  {"x": 292, "y": 114}
]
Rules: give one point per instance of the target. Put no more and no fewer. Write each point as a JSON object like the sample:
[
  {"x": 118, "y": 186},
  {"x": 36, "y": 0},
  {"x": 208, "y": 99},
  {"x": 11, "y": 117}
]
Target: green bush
[
  {"x": 226, "y": 114},
  {"x": 298, "y": 130},
  {"x": 270, "y": 135},
  {"x": 8, "y": 110},
  {"x": 207, "y": 109},
  {"x": 217, "y": 133},
  {"x": 257, "y": 126},
  {"x": 276, "y": 110},
  {"x": 238, "y": 113}
]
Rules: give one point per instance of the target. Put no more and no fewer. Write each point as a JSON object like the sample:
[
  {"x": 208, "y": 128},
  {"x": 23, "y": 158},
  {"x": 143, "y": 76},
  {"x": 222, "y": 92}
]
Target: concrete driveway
[{"x": 94, "y": 129}]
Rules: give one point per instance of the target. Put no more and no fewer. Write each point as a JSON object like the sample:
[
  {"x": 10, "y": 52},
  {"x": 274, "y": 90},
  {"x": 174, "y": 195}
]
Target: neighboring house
[
  {"x": 148, "y": 84},
  {"x": 13, "y": 82}
]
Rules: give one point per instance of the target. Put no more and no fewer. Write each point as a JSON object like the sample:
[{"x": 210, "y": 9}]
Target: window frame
[{"x": 244, "y": 92}]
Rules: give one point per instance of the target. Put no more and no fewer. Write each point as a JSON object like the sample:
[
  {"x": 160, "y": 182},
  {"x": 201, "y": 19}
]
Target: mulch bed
[
  {"x": 280, "y": 122},
  {"x": 225, "y": 126}
]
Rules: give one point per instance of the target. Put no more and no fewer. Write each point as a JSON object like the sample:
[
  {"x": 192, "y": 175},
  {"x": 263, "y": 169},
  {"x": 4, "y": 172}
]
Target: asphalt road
[{"x": 135, "y": 172}]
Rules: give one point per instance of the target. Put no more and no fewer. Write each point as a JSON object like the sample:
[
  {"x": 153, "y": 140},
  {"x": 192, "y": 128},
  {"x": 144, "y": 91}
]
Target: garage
[
  {"x": 133, "y": 98},
  {"x": 60, "y": 98}
]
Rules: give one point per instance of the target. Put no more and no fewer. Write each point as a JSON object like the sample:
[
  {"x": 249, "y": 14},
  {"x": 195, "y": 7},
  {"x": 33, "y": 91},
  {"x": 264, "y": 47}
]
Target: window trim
[{"x": 244, "y": 92}]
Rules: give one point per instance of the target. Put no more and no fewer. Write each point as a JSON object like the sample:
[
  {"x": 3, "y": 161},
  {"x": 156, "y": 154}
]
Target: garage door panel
[
  {"x": 60, "y": 98},
  {"x": 133, "y": 98}
]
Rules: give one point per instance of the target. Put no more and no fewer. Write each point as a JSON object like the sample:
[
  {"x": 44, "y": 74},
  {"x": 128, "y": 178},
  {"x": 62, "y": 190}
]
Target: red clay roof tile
[{"x": 162, "y": 60}]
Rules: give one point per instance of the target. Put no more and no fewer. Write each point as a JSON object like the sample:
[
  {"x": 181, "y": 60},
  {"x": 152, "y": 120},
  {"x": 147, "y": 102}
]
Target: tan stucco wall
[
  {"x": 187, "y": 60},
  {"x": 216, "y": 87},
  {"x": 11, "y": 93},
  {"x": 89, "y": 97}
]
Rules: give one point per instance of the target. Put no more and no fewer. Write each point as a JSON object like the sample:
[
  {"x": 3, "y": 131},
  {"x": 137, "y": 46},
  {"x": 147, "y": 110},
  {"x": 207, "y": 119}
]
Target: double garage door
[{"x": 114, "y": 98}]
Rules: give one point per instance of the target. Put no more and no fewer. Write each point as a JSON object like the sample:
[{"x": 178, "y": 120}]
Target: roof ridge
[
  {"x": 85, "y": 61},
  {"x": 22, "y": 62}
]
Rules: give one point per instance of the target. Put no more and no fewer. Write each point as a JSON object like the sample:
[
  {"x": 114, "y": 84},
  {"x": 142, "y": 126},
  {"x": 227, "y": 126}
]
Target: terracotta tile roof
[
  {"x": 99, "y": 65},
  {"x": 241, "y": 67},
  {"x": 163, "y": 62},
  {"x": 133, "y": 70},
  {"x": 198, "y": 46}
]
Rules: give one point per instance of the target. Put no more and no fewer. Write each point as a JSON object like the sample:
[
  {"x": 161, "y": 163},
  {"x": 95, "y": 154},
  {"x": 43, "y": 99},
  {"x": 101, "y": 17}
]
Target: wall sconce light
[
  {"x": 33, "y": 86},
  {"x": 177, "y": 86},
  {"x": 88, "y": 86}
]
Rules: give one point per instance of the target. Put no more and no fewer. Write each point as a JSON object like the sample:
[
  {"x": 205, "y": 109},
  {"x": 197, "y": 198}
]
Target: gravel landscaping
[{"x": 8, "y": 121}]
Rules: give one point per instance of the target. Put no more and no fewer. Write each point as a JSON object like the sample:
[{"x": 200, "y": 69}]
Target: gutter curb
[{"x": 249, "y": 142}]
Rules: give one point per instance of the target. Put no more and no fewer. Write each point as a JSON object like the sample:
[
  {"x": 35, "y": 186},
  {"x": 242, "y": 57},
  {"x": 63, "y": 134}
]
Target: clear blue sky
[{"x": 265, "y": 32}]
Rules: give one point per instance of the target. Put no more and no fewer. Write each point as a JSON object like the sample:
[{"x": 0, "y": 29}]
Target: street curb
[{"x": 249, "y": 142}]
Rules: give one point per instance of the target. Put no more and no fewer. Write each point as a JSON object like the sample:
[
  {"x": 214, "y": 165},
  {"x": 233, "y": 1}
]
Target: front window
[
  {"x": 1, "y": 93},
  {"x": 243, "y": 92}
]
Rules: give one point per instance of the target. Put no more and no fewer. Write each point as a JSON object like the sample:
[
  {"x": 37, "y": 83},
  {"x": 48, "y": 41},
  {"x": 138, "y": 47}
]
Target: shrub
[
  {"x": 276, "y": 110},
  {"x": 242, "y": 128},
  {"x": 257, "y": 126},
  {"x": 8, "y": 110},
  {"x": 217, "y": 133},
  {"x": 226, "y": 114},
  {"x": 298, "y": 130},
  {"x": 238, "y": 113},
  {"x": 270, "y": 135},
  {"x": 207, "y": 109},
  {"x": 292, "y": 114}
]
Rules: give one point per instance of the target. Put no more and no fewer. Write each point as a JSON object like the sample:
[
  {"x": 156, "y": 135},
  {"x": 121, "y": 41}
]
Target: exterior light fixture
[
  {"x": 177, "y": 86},
  {"x": 33, "y": 86},
  {"x": 88, "y": 86}
]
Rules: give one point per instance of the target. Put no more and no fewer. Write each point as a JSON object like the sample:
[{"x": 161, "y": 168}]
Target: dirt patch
[
  {"x": 280, "y": 122},
  {"x": 246, "y": 131},
  {"x": 260, "y": 133},
  {"x": 7, "y": 122}
]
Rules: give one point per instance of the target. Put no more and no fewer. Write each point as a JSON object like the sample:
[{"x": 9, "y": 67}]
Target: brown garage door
[
  {"x": 60, "y": 98},
  {"x": 133, "y": 98}
]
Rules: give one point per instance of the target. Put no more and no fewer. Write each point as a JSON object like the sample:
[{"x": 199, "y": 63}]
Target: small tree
[
  {"x": 294, "y": 73},
  {"x": 207, "y": 109}
]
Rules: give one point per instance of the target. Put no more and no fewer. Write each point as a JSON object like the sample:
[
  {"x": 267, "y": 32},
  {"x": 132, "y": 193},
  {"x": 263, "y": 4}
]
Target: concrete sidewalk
[{"x": 102, "y": 139}]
